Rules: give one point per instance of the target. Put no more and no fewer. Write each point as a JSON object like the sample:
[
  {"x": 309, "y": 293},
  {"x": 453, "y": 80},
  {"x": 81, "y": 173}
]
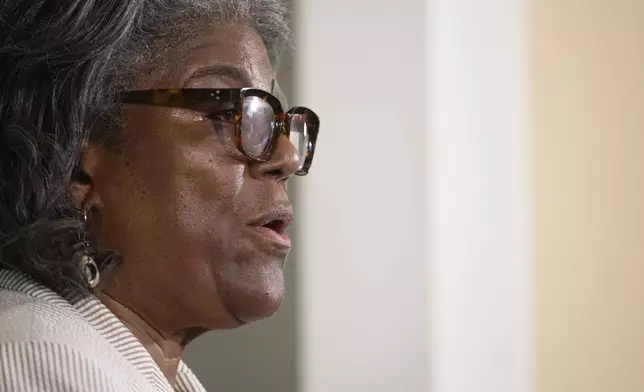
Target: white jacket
[{"x": 50, "y": 344}]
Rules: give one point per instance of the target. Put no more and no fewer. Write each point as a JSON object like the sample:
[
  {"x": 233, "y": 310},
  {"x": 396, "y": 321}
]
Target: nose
[{"x": 283, "y": 163}]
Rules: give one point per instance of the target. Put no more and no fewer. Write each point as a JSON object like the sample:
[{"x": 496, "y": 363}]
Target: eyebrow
[{"x": 221, "y": 70}]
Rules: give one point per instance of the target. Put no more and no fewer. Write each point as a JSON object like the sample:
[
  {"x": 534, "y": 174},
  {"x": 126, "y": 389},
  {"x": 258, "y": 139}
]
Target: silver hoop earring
[
  {"x": 90, "y": 270},
  {"x": 88, "y": 266}
]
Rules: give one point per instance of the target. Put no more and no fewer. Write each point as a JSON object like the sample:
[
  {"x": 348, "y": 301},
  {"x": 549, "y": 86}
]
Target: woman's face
[{"x": 184, "y": 207}]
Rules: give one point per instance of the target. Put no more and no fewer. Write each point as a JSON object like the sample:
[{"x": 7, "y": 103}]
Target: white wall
[
  {"x": 361, "y": 249},
  {"x": 415, "y": 247},
  {"x": 480, "y": 186}
]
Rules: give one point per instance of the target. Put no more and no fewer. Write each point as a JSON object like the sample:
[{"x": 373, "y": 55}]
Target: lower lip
[{"x": 281, "y": 241}]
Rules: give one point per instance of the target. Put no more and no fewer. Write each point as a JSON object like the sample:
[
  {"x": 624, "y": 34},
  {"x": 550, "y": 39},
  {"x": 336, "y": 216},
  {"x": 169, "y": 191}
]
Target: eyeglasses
[{"x": 256, "y": 114}]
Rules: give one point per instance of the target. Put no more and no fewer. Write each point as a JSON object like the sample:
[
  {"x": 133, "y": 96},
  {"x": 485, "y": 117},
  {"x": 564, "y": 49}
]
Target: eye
[{"x": 228, "y": 115}]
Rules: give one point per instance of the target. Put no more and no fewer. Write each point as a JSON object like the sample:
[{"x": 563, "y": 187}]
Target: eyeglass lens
[
  {"x": 257, "y": 124},
  {"x": 299, "y": 135}
]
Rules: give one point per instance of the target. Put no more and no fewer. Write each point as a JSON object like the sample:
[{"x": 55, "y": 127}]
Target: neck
[{"x": 165, "y": 349}]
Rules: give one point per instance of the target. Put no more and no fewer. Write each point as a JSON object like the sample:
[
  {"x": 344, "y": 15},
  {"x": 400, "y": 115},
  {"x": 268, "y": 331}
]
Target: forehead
[{"x": 230, "y": 55}]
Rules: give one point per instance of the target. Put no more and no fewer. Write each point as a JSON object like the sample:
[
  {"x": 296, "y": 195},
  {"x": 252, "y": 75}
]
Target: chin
[
  {"x": 258, "y": 309},
  {"x": 256, "y": 294}
]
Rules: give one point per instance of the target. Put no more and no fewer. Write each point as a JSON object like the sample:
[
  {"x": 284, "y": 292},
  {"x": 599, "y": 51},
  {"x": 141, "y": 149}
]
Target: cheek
[{"x": 208, "y": 192}]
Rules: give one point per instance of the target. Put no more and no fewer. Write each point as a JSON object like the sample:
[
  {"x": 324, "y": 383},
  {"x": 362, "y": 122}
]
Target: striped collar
[{"x": 110, "y": 327}]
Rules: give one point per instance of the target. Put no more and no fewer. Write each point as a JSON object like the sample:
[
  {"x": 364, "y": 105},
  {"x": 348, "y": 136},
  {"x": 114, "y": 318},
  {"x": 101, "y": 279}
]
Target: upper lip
[{"x": 281, "y": 215}]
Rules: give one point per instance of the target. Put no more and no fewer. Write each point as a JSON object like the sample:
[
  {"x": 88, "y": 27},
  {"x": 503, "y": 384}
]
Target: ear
[{"x": 82, "y": 191}]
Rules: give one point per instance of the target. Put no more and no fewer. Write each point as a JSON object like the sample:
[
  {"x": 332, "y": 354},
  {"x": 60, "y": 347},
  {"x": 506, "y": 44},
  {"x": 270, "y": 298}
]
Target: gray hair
[
  {"x": 60, "y": 67},
  {"x": 177, "y": 18}
]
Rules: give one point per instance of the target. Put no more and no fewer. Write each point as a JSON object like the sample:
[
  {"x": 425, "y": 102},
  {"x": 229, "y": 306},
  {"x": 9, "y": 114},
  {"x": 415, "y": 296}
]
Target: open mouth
[
  {"x": 272, "y": 226},
  {"x": 277, "y": 225}
]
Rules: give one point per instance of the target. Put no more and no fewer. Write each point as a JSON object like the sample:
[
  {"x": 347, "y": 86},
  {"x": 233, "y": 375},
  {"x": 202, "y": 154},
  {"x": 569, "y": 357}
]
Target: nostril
[{"x": 276, "y": 173}]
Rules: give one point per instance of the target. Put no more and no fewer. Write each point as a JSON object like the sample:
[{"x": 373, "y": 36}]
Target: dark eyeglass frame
[{"x": 208, "y": 101}]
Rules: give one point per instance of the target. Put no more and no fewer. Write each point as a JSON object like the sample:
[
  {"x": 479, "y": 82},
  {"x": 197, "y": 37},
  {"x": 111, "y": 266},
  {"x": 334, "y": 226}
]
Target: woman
[{"x": 143, "y": 170}]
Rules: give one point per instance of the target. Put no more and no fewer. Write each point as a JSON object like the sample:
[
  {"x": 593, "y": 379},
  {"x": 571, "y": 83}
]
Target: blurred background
[{"x": 472, "y": 221}]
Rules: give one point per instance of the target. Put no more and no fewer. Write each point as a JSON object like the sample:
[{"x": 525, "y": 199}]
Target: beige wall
[{"x": 589, "y": 98}]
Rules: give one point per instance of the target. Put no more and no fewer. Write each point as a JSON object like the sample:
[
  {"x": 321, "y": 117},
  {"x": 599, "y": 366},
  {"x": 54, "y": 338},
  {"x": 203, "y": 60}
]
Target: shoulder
[
  {"x": 45, "y": 345},
  {"x": 31, "y": 312},
  {"x": 25, "y": 317},
  {"x": 35, "y": 366}
]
